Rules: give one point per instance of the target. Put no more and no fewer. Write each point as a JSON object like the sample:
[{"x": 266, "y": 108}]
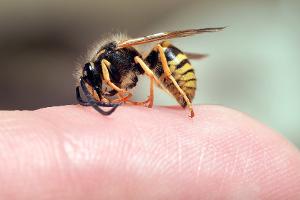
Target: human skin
[{"x": 73, "y": 152}]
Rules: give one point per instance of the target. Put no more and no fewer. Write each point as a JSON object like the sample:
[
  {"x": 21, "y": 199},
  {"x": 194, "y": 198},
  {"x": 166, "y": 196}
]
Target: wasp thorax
[{"x": 91, "y": 76}]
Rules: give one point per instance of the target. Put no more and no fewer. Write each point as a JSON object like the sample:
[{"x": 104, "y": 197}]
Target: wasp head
[{"x": 92, "y": 76}]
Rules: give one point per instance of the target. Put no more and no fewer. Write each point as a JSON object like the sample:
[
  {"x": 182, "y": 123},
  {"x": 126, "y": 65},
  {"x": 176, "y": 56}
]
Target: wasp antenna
[
  {"x": 96, "y": 107},
  {"x": 79, "y": 99},
  {"x": 90, "y": 98},
  {"x": 91, "y": 102}
]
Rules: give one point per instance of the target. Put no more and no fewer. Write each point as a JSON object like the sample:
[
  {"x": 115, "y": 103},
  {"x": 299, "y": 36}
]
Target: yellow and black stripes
[{"x": 180, "y": 68}]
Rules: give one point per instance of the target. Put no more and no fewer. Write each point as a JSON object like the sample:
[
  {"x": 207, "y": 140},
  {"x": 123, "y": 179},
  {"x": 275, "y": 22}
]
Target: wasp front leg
[
  {"x": 105, "y": 65},
  {"x": 126, "y": 99},
  {"x": 122, "y": 98},
  {"x": 149, "y": 101}
]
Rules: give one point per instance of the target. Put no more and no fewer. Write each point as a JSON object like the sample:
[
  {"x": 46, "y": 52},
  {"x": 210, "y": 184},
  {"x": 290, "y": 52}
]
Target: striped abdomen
[{"x": 181, "y": 70}]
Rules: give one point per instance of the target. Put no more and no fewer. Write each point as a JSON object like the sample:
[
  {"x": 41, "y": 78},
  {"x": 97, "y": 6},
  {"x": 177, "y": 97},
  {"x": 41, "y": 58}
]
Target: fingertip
[{"x": 143, "y": 152}]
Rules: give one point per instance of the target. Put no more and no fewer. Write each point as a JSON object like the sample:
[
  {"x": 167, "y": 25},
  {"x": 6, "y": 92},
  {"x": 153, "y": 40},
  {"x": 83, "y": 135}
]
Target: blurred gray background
[{"x": 253, "y": 66}]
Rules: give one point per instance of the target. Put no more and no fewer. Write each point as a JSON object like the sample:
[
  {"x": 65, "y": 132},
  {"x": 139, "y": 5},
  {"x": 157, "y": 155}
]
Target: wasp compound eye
[{"x": 91, "y": 75}]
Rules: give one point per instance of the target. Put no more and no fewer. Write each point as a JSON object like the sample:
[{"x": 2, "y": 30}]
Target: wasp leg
[
  {"x": 122, "y": 98},
  {"x": 142, "y": 103},
  {"x": 93, "y": 93},
  {"x": 152, "y": 78},
  {"x": 105, "y": 64},
  {"x": 92, "y": 102},
  {"x": 126, "y": 100},
  {"x": 88, "y": 103},
  {"x": 148, "y": 101},
  {"x": 168, "y": 74}
]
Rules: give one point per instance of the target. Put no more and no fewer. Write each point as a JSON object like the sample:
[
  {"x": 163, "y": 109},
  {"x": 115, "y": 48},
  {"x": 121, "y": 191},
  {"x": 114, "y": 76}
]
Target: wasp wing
[
  {"x": 195, "y": 56},
  {"x": 166, "y": 35}
]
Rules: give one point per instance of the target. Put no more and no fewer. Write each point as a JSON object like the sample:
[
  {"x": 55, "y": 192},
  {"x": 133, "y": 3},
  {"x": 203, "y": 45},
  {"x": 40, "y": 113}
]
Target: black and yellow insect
[{"x": 116, "y": 65}]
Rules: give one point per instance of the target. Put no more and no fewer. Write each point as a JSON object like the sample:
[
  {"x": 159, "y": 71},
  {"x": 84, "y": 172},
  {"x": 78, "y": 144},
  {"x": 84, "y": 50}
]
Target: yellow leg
[
  {"x": 152, "y": 78},
  {"x": 168, "y": 74},
  {"x": 148, "y": 71},
  {"x": 149, "y": 101},
  {"x": 105, "y": 64},
  {"x": 92, "y": 91},
  {"x": 138, "y": 103},
  {"x": 122, "y": 98},
  {"x": 151, "y": 97}
]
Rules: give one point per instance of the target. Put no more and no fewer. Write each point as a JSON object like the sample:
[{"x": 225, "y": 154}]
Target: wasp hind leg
[{"x": 168, "y": 74}]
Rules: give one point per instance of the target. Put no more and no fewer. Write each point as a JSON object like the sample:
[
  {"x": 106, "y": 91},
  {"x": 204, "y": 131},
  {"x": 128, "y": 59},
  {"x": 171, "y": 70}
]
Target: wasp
[{"x": 113, "y": 70}]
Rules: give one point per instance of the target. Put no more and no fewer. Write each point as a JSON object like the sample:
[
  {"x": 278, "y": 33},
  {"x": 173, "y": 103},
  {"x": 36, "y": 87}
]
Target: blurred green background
[{"x": 253, "y": 66}]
